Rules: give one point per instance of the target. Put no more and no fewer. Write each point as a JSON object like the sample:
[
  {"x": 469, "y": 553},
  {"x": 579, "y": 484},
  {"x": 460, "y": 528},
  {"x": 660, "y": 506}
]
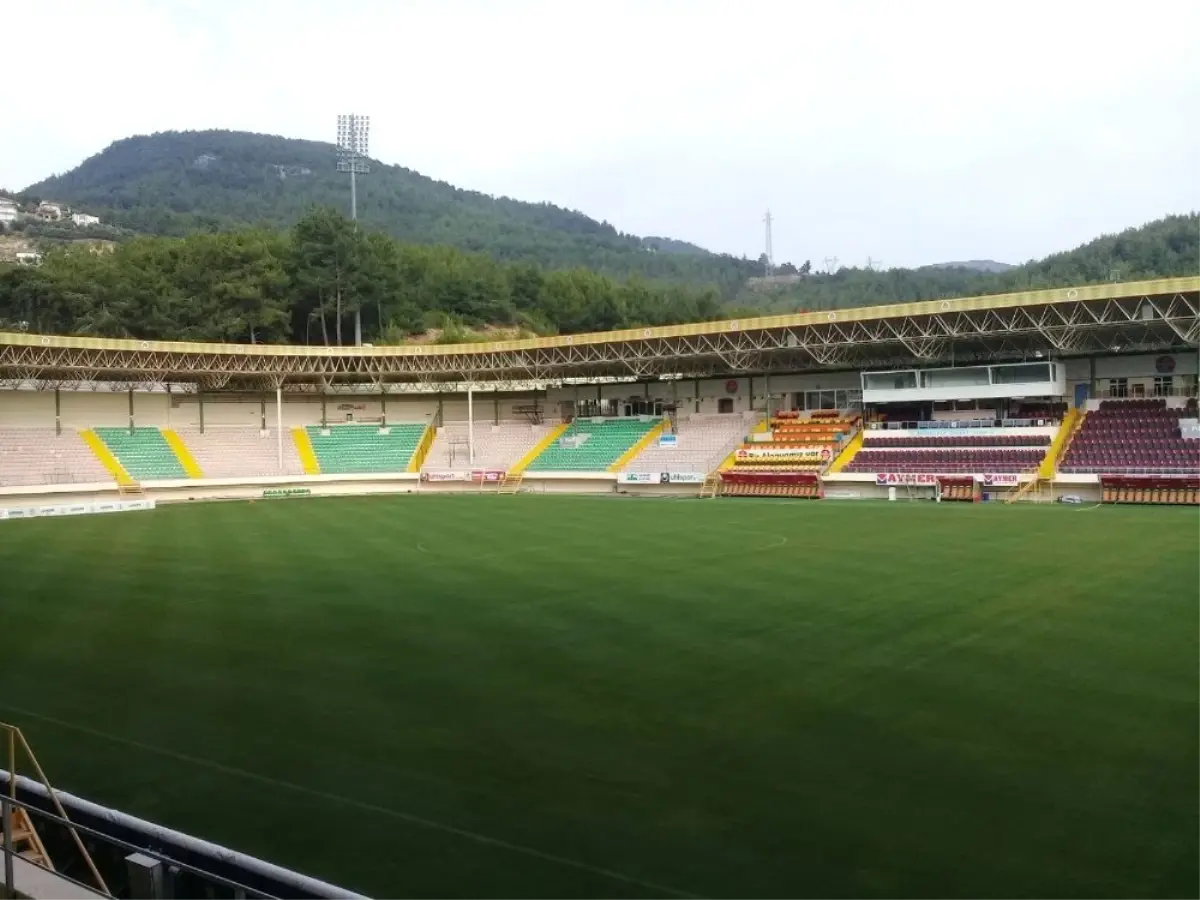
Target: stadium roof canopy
[{"x": 1147, "y": 316}]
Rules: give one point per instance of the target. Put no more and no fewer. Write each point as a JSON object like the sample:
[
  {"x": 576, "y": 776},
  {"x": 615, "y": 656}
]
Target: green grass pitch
[{"x": 540, "y": 696}]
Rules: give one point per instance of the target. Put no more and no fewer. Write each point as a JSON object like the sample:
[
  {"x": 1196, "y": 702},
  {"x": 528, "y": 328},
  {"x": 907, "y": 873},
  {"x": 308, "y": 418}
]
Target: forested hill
[
  {"x": 177, "y": 183},
  {"x": 1163, "y": 248}
]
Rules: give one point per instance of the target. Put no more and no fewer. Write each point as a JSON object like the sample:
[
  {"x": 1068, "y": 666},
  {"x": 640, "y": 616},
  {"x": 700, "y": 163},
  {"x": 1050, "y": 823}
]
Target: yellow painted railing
[
  {"x": 642, "y": 443},
  {"x": 555, "y": 433},
  {"x": 848, "y": 452},
  {"x": 304, "y": 449},
  {"x": 422, "y": 451},
  {"x": 25, "y": 840},
  {"x": 106, "y": 457},
  {"x": 182, "y": 453},
  {"x": 1066, "y": 431}
]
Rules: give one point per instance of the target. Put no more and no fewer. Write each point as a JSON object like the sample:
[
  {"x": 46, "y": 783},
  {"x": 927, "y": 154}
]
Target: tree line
[
  {"x": 1163, "y": 248},
  {"x": 305, "y": 285}
]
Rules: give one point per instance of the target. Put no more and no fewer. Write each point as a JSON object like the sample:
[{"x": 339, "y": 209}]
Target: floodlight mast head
[{"x": 353, "y": 140}]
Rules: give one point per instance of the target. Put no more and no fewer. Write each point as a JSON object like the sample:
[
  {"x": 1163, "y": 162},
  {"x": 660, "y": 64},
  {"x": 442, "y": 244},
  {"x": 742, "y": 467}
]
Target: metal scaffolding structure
[{"x": 1149, "y": 316}]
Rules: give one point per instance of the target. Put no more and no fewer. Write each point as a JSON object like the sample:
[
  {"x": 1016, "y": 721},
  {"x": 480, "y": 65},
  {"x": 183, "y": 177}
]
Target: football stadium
[{"x": 882, "y": 601}]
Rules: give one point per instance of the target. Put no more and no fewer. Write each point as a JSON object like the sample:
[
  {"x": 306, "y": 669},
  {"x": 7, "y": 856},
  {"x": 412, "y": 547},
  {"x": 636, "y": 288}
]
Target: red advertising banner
[{"x": 735, "y": 477}]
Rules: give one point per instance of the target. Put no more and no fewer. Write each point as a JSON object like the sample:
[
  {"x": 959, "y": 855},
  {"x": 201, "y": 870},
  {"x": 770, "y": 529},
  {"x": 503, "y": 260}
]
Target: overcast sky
[{"x": 908, "y": 132}]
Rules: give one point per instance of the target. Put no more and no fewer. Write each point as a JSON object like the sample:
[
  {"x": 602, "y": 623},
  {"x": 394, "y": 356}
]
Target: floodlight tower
[{"x": 352, "y": 141}]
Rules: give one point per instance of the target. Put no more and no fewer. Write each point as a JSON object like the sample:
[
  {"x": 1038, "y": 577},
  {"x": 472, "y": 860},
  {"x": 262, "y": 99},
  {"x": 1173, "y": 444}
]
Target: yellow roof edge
[{"x": 1111, "y": 291}]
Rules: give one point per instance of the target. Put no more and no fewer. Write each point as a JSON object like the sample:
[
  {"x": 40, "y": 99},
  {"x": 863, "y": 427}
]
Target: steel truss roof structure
[{"x": 1148, "y": 316}]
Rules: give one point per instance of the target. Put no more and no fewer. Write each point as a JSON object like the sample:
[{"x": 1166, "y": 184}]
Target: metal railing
[
  {"x": 14, "y": 738},
  {"x": 144, "y": 860},
  {"x": 962, "y": 424},
  {"x": 1174, "y": 471},
  {"x": 171, "y": 868}
]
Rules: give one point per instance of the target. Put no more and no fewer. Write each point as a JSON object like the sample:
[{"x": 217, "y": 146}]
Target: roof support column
[{"x": 279, "y": 425}]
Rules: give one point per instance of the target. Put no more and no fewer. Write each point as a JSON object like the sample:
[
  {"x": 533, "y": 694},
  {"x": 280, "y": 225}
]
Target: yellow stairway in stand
[
  {"x": 1070, "y": 423},
  {"x": 510, "y": 483},
  {"x": 422, "y": 451},
  {"x": 523, "y": 463},
  {"x": 848, "y": 452},
  {"x": 643, "y": 442},
  {"x": 182, "y": 453},
  {"x": 106, "y": 458},
  {"x": 304, "y": 448}
]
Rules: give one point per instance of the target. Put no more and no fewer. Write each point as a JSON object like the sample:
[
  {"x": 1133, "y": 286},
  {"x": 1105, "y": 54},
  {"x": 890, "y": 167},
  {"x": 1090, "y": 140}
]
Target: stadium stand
[
  {"x": 351, "y": 449},
  {"x": 794, "y": 444},
  {"x": 592, "y": 445},
  {"x": 702, "y": 442},
  {"x": 970, "y": 440},
  {"x": 787, "y": 458},
  {"x": 971, "y": 448},
  {"x": 1132, "y": 437},
  {"x": 496, "y": 446},
  {"x": 31, "y": 456},
  {"x": 143, "y": 452},
  {"x": 238, "y": 452},
  {"x": 949, "y": 460}
]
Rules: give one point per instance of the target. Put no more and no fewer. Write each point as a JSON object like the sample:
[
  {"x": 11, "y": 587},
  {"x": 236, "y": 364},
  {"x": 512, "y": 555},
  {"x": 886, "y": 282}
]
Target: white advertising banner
[
  {"x": 638, "y": 478},
  {"x": 74, "y": 509},
  {"x": 445, "y": 476},
  {"x": 686, "y": 477},
  {"x": 814, "y": 453},
  {"x": 660, "y": 478},
  {"x": 1003, "y": 479}
]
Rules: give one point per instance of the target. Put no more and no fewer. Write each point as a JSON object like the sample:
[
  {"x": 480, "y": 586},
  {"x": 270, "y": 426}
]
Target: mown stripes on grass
[{"x": 756, "y": 698}]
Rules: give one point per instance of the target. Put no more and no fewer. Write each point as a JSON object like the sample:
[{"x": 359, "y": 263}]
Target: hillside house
[{"x": 83, "y": 220}]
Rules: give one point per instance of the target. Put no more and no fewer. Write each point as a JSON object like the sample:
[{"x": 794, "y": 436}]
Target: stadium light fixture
[{"x": 353, "y": 142}]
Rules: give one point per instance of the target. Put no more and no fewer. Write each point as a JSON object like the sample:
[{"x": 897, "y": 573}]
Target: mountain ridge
[{"x": 173, "y": 183}]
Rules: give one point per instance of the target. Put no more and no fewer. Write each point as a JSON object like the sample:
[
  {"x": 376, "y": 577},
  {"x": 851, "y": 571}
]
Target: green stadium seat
[
  {"x": 606, "y": 441},
  {"x": 351, "y": 449},
  {"x": 143, "y": 452}
]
